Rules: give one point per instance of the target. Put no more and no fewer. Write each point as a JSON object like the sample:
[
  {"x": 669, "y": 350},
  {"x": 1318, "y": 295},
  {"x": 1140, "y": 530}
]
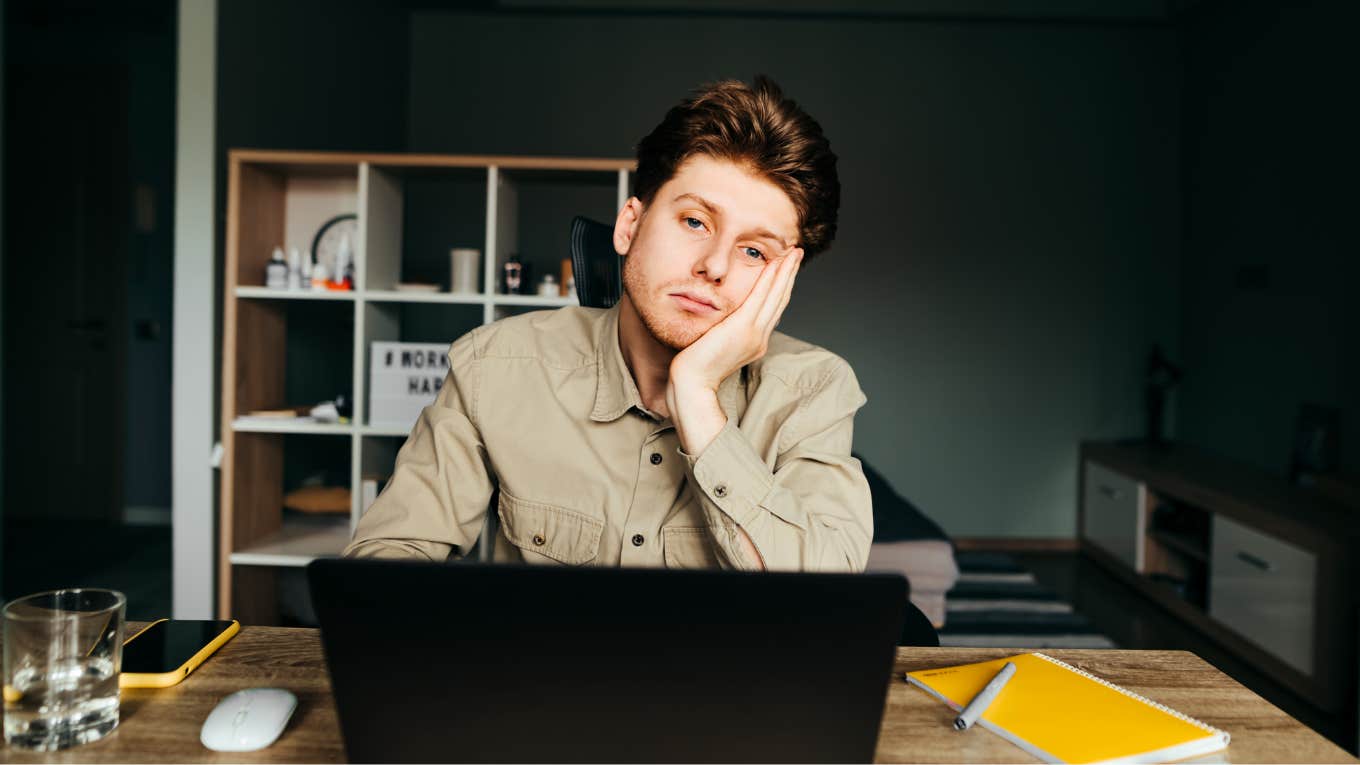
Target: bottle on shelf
[
  {"x": 276, "y": 271},
  {"x": 294, "y": 269},
  {"x": 515, "y": 275},
  {"x": 320, "y": 275},
  {"x": 343, "y": 278},
  {"x": 568, "y": 285}
]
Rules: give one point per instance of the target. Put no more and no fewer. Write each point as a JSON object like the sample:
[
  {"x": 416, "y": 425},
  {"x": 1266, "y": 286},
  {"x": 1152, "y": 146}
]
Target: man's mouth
[{"x": 693, "y": 303}]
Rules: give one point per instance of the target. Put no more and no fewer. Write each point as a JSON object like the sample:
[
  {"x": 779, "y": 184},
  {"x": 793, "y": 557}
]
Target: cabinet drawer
[
  {"x": 1113, "y": 509},
  {"x": 1263, "y": 589}
]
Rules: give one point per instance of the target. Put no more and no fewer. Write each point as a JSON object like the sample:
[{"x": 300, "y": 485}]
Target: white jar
[{"x": 463, "y": 263}]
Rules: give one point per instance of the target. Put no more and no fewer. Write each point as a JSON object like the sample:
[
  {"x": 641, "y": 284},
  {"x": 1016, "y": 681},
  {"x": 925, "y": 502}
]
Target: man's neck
[{"x": 647, "y": 360}]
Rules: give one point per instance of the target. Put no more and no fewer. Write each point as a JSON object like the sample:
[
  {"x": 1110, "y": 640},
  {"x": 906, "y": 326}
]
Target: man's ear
[{"x": 626, "y": 225}]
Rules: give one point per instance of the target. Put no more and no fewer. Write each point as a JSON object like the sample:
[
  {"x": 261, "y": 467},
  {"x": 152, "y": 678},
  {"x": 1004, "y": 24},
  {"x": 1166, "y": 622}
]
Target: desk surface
[{"x": 163, "y": 725}]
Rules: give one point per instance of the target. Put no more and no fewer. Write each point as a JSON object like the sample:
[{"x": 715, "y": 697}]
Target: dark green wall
[
  {"x": 1271, "y": 309},
  {"x": 2, "y": 283}
]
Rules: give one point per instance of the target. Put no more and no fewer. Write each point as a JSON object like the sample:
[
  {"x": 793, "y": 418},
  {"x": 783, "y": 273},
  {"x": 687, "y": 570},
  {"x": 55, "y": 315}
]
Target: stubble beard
[{"x": 673, "y": 332}]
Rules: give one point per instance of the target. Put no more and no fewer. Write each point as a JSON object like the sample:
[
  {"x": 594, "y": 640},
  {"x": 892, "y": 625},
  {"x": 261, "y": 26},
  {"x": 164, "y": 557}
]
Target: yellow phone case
[{"x": 167, "y": 679}]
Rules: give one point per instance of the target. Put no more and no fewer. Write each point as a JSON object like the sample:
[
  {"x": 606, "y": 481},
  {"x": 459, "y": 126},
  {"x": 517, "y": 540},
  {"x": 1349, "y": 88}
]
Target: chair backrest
[
  {"x": 595, "y": 265},
  {"x": 916, "y": 629}
]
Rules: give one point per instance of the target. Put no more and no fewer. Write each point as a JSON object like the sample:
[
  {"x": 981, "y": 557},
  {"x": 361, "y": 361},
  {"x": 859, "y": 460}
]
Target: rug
[{"x": 997, "y": 603}]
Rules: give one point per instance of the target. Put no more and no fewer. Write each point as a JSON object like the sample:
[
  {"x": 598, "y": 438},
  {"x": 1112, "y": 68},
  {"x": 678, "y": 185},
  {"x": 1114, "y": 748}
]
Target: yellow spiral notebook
[{"x": 1059, "y": 713}]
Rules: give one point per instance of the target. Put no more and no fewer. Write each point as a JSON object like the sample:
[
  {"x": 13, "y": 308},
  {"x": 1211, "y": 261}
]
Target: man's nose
[{"x": 714, "y": 261}]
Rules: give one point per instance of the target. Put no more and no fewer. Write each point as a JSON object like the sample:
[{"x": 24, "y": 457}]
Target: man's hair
[{"x": 755, "y": 126}]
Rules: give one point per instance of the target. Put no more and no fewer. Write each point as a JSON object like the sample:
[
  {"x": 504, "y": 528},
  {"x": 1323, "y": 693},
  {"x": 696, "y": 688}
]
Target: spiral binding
[{"x": 1159, "y": 707}]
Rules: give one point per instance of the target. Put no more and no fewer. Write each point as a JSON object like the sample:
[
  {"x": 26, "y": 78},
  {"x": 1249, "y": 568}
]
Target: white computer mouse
[{"x": 248, "y": 720}]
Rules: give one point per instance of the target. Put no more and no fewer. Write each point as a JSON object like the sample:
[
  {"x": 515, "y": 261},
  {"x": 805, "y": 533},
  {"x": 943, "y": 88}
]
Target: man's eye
[
  {"x": 753, "y": 252},
  {"x": 694, "y": 224}
]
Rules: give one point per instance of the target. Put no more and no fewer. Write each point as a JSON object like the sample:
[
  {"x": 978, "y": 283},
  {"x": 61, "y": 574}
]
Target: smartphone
[{"x": 167, "y": 650}]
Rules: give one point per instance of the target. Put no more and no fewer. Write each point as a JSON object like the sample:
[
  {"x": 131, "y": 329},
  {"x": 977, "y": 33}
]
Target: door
[{"x": 66, "y": 211}]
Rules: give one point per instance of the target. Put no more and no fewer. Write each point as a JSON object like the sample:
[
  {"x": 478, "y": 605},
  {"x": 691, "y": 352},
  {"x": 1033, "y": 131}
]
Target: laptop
[{"x": 501, "y": 663}]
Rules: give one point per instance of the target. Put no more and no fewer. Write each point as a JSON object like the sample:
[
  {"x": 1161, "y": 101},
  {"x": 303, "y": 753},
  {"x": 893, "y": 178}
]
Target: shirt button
[
  {"x": 720, "y": 490},
  {"x": 656, "y": 458},
  {"x": 539, "y": 540},
  {"x": 638, "y": 540}
]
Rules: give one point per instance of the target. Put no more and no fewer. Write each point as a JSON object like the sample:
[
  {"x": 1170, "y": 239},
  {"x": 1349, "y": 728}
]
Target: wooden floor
[{"x": 1133, "y": 621}]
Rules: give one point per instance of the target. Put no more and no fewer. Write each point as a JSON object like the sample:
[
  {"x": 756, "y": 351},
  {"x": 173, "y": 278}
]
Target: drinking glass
[{"x": 63, "y": 652}]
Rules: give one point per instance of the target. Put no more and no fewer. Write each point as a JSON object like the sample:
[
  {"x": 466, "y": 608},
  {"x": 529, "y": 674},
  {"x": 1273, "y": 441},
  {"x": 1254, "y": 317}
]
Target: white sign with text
[{"x": 404, "y": 378}]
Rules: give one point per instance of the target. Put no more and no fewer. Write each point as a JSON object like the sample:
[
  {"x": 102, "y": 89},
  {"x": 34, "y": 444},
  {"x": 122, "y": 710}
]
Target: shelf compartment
[
  {"x": 297, "y": 543},
  {"x": 286, "y": 352},
  {"x": 411, "y": 218},
  {"x": 533, "y": 212},
  {"x": 1180, "y": 543},
  {"x": 1177, "y": 549},
  {"x": 284, "y": 205},
  {"x": 433, "y": 323}
]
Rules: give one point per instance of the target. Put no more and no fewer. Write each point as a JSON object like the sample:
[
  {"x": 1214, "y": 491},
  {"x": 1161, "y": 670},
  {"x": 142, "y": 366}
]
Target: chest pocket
[
  {"x": 688, "y": 548},
  {"x": 549, "y": 532}
]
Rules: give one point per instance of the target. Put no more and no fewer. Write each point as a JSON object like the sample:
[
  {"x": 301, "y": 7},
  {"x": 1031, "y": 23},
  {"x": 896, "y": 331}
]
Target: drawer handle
[
  {"x": 1252, "y": 560},
  {"x": 1112, "y": 493}
]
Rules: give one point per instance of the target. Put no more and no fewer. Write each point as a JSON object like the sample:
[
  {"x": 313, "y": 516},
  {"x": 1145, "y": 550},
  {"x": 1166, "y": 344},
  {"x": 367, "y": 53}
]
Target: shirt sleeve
[
  {"x": 441, "y": 483},
  {"x": 808, "y": 511}
]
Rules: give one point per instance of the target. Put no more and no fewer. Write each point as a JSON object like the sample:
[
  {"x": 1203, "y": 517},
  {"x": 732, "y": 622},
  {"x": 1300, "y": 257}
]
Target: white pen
[{"x": 980, "y": 702}]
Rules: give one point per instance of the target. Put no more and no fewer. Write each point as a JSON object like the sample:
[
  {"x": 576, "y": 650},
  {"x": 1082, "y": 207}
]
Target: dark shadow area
[
  {"x": 134, "y": 560},
  {"x": 89, "y": 171}
]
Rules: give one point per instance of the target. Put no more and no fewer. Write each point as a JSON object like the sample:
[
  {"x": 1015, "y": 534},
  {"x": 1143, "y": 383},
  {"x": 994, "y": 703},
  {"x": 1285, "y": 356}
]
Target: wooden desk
[{"x": 163, "y": 725}]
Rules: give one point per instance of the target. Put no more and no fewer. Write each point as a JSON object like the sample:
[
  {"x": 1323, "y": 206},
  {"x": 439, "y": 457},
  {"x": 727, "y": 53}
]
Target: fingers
[
  {"x": 760, "y": 292},
  {"x": 780, "y": 291}
]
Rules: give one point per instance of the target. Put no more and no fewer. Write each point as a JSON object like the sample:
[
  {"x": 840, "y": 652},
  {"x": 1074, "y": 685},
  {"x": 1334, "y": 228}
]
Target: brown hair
[{"x": 758, "y": 127}]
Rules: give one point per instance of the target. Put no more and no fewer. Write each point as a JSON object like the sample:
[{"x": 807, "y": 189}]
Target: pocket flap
[{"x": 556, "y": 532}]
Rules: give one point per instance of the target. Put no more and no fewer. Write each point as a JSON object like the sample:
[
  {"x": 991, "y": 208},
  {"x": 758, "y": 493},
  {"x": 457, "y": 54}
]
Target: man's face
[{"x": 699, "y": 246}]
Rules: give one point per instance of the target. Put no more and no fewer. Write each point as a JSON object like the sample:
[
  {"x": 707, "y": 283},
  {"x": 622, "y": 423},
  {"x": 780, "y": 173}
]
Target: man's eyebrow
[{"x": 716, "y": 210}]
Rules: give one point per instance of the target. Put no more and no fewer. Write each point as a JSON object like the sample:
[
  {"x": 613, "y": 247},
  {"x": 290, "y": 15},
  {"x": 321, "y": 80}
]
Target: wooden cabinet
[
  {"x": 1266, "y": 569},
  {"x": 1264, "y": 589},
  {"x": 1113, "y": 505},
  {"x": 291, "y": 348}
]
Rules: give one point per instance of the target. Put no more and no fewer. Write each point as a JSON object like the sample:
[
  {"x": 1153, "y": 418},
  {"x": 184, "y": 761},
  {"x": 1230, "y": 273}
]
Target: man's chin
[
  {"x": 676, "y": 340},
  {"x": 674, "y": 329},
  {"x": 676, "y": 333}
]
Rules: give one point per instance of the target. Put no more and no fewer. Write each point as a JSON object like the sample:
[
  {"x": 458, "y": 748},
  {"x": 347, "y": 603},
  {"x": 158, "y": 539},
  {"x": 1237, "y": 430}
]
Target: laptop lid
[{"x": 496, "y": 663}]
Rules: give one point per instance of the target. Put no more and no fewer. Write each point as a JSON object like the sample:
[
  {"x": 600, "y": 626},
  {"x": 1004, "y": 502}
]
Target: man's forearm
[
  {"x": 697, "y": 415},
  {"x": 698, "y": 419}
]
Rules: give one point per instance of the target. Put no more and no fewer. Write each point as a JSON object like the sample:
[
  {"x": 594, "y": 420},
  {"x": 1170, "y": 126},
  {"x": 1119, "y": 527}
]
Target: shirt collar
[{"x": 615, "y": 390}]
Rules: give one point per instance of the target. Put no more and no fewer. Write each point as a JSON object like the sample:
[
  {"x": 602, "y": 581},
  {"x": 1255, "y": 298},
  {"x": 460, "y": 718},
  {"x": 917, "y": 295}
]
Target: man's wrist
[{"x": 697, "y": 415}]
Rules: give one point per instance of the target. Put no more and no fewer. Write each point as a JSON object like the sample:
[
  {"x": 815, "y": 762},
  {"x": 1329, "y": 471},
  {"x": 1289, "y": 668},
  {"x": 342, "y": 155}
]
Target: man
[{"x": 677, "y": 428}]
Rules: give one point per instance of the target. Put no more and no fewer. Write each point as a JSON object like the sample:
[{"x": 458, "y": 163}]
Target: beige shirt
[{"x": 543, "y": 406}]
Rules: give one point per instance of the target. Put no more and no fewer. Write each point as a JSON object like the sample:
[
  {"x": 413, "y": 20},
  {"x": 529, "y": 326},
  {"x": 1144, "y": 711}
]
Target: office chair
[{"x": 595, "y": 265}]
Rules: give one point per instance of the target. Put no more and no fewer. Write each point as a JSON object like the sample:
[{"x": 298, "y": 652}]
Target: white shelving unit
[{"x": 282, "y": 198}]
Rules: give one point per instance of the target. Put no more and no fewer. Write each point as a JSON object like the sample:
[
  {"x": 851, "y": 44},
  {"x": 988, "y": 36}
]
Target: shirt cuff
[{"x": 731, "y": 475}]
